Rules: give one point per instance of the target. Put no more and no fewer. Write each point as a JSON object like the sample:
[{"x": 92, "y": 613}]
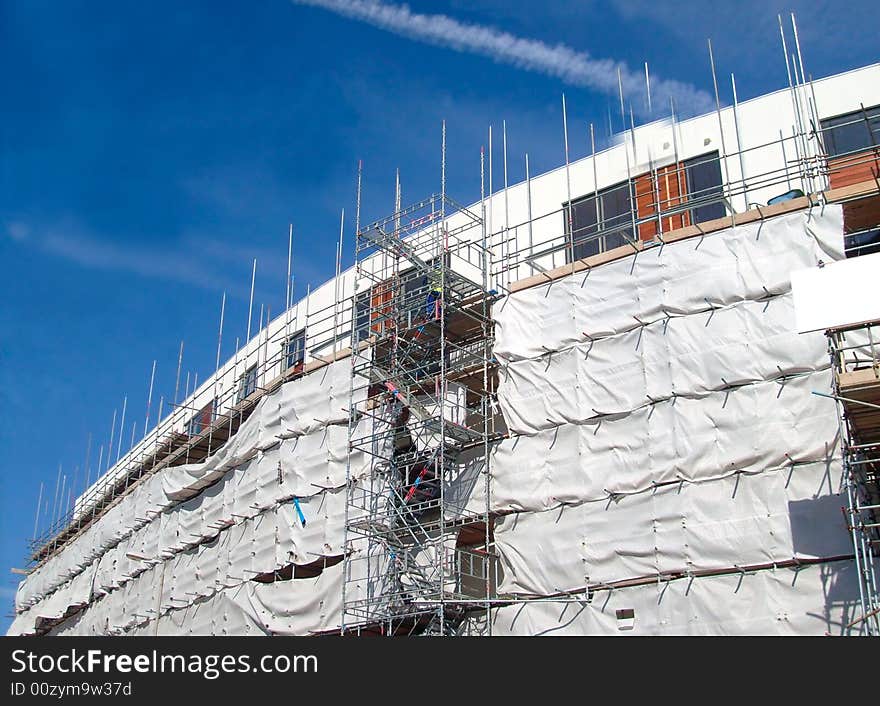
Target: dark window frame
[
  {"x": 713, "y": 194},
  {"x": 865, "y": 242},
  {"x": 247, "y": 383},
  {"x": 589, "y": 226},
  {"x": 848, "y": 133},
  {"x": 198, "y": 422},
  {"x": 293, "y": 350},
  {"x": 362, "y": 316},
  {"x": 704, "y": 184}
]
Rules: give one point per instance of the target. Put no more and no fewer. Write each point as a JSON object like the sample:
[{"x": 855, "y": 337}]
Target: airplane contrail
[{"x": 570, "y": 66}]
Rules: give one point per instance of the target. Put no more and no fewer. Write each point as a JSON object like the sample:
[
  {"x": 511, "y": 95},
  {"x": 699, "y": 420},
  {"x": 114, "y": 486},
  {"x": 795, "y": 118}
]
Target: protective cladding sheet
[
  {"x": 738, "y": 520},
  {"x": 748, "y": 428},
  {"x": 811, "y": 600},
  {"x": 685, "y": 356},
  {"x": 296, "y": 607},
  {"x": 244, "y": 482},
  {"x": 749, "y": 262}
]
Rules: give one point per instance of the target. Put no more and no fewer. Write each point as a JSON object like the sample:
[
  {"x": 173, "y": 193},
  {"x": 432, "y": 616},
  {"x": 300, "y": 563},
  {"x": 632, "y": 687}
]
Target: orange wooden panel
[
  {"x": 379, "y": 305},
  {"x": 668, "y": 191},
  {"x": 861, "y": 214},
  {"x": 673, "y": 187},
  {"x": 646, "y": 204},
  {"x": 854, "y": 168}
]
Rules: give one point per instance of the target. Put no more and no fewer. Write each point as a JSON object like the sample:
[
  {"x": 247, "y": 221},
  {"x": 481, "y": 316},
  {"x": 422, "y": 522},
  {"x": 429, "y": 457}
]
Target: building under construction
[{"x": 589, "y": 403}]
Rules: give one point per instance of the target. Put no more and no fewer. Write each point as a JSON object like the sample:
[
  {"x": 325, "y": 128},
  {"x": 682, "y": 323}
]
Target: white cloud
[
  {"x": 573, "y": 67},
  {"x": 17, "y": 230},
  {"x": 180, "y": 263}
]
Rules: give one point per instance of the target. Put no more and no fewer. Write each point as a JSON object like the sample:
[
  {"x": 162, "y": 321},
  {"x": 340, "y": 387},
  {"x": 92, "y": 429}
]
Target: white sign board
[{"x": 839, "y": 294}]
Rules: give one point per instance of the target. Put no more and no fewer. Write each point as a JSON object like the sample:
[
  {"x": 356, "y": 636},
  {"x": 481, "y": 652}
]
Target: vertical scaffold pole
[
  {"x": 528, "y": 203},
  {"x": 177, "y": 377},
  {"x": 739, "y": 144},
  {"x": 121, "y": 428},
  {"x": 721, "y": 131},
  {"x": 505, "y": 245},
  {"x": 444, "y": 252},
  {"x": 150, "y": 397},
  {"x": 569, "y": 219},
  {"x": 112, "y": 437},
  {"x": 37, "y": 517}
]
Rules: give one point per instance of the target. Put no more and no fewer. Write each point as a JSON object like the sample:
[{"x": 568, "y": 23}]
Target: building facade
[{"x": 579, "y": 405}]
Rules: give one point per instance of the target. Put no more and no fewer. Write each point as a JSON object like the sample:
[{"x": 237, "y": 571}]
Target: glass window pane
[
  {"x": 415, "y": 290},
  {"x": 851, "y": 132},
  {"x": 583, "y": 223},
  {"x": 704, "y": 183},
  {"x": 863, "y": 243},
  {"x": 616, "y": 206},
  {"x": 616, "y": 240},
  {"x": 248, "y": 383},
  {"x": 201, "y": 420},
  {"x": 615, "y": 213},
  {"x": 362, "y": 316},
  {"x": 295, "y": 350}
]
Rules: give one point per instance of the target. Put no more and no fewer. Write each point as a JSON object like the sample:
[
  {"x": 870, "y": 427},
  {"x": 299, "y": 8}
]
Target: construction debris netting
[
  {"x": 187, "y": 543},
  {"x": 667, "y": 457},
  {"x": 668, "y": 470},
  {"x": 783, "y": 601}
]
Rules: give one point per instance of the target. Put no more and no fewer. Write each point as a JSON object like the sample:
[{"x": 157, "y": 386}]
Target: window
[
  {"x": 704, "y": 184},
  {"x": 294, "y": 350},
  {"x": 604, "y": 221},
  {"x": 863, "y": 243},
  {"x": 415, "y": 288},
  {"x": 362, "y": 315},
  {"x": 247, "y": 384},
  {"x": 201, "y": 420},
  {"x": 614, "y": 213},
  {"x": 414, "y": 284},
  {"x": 852, "y": 132}
]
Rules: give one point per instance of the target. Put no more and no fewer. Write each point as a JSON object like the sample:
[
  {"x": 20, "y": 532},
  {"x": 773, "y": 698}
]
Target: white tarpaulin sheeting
[
  {"x": 296, "y": 606},
  {"x": 253, "y": 479},
  {"x": 662, "y": 419},
  {"x": 738, "y": 520},
  {"x": 749, "y": 262},
  {"x": 748, "y": 428},
  {"x": 810, "y": 600},
  {"x": 684, "y": 356}
]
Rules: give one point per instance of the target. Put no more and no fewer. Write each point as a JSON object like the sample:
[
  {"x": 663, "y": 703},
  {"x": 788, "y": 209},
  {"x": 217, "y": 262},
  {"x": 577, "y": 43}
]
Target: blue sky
[{"x": 149, "y": 151}]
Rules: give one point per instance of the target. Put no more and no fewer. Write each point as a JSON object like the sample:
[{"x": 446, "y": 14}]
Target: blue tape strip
[{"x": 302, "y": 518}]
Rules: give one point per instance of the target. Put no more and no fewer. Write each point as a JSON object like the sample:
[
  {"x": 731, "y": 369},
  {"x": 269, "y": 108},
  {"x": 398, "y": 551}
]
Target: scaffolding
[
  {"x": 855, "y": 356},
  {"x": 418, "y": 548},
  {"x": 211, "y": 414},
  {"x": 548, "y": 244},
  {"x": 796, "y": 170}
]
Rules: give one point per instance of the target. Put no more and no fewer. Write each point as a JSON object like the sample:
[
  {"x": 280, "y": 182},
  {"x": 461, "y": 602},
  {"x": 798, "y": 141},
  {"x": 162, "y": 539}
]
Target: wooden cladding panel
[
  {"x": 861, "y": 214},
  {"x": 854, "y": 168},
  {"x": 380, "y": 307},
  {"x": 670, "y": 189}
]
